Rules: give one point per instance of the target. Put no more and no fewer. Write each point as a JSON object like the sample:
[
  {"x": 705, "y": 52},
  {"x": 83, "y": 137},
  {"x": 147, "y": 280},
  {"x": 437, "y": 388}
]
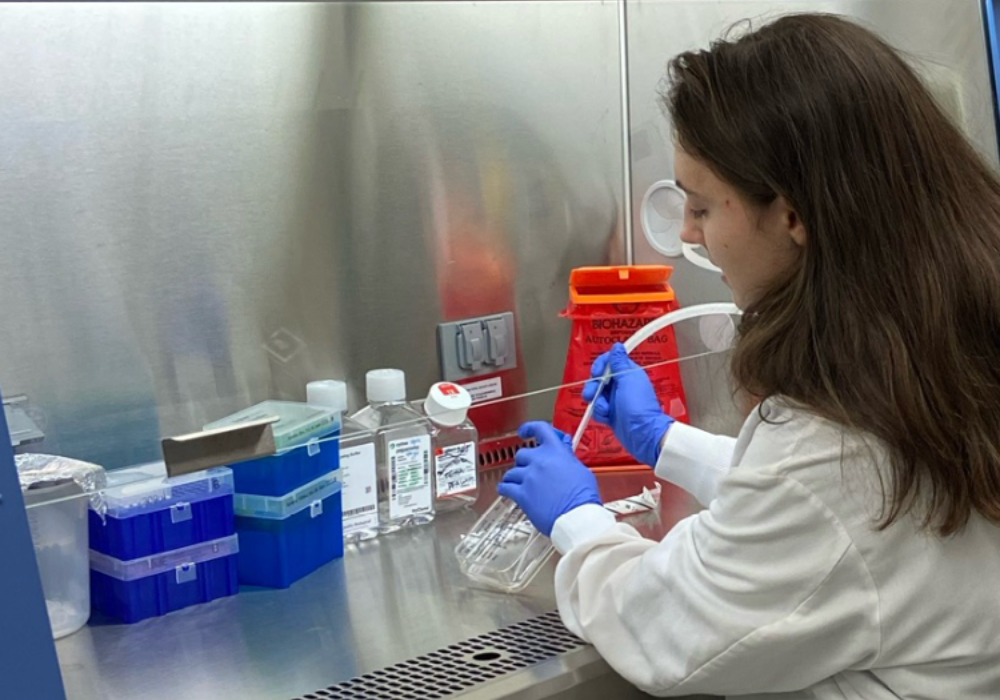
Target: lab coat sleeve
[
  {"x": 695, "y": 460},
  {"x": 762, "y": 592}
]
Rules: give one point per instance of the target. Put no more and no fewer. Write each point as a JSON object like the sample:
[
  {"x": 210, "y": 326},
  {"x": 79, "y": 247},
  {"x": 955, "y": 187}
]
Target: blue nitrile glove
[
  {"x": 629, "y": 405},
  {"x": 566, "y": 438},
  {"x": 548, "y": 481}
]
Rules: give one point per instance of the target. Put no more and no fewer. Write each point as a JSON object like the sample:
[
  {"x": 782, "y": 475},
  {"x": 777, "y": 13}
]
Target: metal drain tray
[{"x": 538, "y": 658}]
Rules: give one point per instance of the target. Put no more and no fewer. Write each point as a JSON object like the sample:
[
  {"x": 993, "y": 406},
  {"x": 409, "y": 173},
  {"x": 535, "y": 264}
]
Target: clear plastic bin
[
  {"x": 503, "y": 550},
  {"x": 59, "y": 535}
]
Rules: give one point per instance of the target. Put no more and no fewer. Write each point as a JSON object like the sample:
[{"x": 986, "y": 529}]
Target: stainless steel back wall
[{"x": 206, "y": 205}]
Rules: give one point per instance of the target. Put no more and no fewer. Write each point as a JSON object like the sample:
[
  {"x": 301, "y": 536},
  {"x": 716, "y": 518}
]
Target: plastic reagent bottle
[
  {"x": 357, "y": 463},
  {"x": 402, "y": 452},
  {"x": 454, "y": 441}
]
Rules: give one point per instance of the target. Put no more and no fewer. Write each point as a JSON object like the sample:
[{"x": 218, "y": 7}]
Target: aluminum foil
[{"x": 39, "y": 469}]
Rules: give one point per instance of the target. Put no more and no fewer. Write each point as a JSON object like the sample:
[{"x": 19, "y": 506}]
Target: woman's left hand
[{"x": 548, "y": 481}]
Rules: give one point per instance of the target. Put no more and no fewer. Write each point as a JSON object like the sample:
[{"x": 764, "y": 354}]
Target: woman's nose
[{"x": 691, "y": 234}]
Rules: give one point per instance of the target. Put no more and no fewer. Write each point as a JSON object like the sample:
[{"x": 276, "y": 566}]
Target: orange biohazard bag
[{"x": 608, "y": 305}]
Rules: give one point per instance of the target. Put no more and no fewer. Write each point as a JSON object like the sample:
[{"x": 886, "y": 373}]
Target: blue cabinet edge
[{"x": 29, "y": 668}]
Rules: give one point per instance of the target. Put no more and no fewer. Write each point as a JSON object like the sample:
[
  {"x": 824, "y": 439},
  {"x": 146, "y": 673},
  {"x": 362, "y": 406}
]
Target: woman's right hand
[{"x": 629, "y": 405}]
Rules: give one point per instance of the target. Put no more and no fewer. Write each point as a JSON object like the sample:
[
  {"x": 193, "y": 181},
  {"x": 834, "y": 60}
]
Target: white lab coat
[{"x": 782, "y": 588}]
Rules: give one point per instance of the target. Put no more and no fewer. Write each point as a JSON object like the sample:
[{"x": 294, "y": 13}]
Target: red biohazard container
[{"x": 608, "y": 305}]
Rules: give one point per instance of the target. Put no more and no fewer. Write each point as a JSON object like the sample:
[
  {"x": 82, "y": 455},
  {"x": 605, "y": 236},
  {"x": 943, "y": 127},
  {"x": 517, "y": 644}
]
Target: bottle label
[
  {"x": 409, "y": 476},
  {"x": 455, "y": 468},
  {"x": 359, "y": 494}
]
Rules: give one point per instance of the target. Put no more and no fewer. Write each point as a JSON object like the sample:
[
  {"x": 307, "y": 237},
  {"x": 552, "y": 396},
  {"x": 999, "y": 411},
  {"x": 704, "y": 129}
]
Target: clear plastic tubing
[
  {"x": 644, "y": 334},
  {"x": 489, "y": 554}
]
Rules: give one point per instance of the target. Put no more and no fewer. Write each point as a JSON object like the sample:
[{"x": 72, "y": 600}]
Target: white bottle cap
[
  {"x": 385, "y": 385},
  {"x": 447, "y": 404},
  {"x": 329, "y": 393}
]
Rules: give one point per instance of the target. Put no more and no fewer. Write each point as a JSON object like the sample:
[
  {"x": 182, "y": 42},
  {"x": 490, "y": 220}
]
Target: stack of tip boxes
[
  {"x": 164, "y": 543},
  {"x": 288, "y": 505}
]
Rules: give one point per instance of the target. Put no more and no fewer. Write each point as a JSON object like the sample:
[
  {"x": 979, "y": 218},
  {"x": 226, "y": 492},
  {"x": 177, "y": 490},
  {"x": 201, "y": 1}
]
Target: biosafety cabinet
[{"x": 208, "y": 205}]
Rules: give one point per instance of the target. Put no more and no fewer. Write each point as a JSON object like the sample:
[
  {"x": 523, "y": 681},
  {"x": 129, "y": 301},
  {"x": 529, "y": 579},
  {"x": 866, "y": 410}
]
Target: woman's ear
[{"x": 792, "y": 222}]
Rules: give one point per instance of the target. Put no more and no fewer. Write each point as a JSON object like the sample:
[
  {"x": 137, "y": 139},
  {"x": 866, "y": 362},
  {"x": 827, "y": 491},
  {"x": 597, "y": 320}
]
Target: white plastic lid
[
  {"x": 385, "y": 385},
  {"x": 180, "y": 560},
  {"x": 143, "y": 490},
  {"x": 329, "y": 393},
  {"x": 297, "y": 423},
  {"x": 281, "y": 507},
  {"x": 447, "y": 404}
]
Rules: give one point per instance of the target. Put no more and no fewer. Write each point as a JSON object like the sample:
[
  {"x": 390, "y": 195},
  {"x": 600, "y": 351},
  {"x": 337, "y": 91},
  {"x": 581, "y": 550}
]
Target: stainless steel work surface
[{"x": 387, "y": 601}]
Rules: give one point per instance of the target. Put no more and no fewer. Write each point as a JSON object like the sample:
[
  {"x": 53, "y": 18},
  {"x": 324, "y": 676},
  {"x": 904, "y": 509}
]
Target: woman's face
[{"x": 754, "y": 246}]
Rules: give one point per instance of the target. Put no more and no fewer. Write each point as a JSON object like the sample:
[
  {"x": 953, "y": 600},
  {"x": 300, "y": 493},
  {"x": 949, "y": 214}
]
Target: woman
[{"x": 850, "y": 547}]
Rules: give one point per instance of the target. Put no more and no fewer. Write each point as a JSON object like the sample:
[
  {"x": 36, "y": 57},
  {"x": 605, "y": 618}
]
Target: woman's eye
[{"x": 699, "y": 213}]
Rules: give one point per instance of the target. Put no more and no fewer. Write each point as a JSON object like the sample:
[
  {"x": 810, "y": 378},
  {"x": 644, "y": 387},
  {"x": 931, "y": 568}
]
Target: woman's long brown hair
[{"x": 891, "y": 324}]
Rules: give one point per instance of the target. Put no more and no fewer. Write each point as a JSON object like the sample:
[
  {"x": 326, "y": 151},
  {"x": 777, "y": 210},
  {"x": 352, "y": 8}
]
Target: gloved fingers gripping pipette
[
  {"x": 642, "y": 335},
  {"x": 633, "y": 411},
  {"x": 502, "y": 550},
  {"x": 624, "y": 399},
  {"x": 548, "y": 481}
]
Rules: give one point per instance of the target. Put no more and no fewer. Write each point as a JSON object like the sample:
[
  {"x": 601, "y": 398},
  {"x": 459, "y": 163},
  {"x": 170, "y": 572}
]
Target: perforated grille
[
  {"x": 499, "y": 452},
  {"x": 462, "y": 666}
]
